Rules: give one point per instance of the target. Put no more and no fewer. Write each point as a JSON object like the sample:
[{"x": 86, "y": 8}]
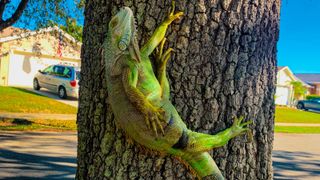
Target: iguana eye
[{"x": 122, "y": 45}]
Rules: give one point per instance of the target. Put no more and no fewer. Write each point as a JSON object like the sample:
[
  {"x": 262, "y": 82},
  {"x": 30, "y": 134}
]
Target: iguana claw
[
  {"x": 240, "y": 127},
  {"x": 173, "y": 16},
  {"x": 153, "y": 118}
]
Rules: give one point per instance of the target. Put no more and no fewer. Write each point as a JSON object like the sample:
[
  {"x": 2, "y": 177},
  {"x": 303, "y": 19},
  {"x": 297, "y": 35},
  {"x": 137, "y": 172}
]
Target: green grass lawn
[
  {"x": 37, "y": 124},
  {"x": 290, "y": 115},
  {"x": 19, "y": 100},
  {"x": 297, "y": 129}
]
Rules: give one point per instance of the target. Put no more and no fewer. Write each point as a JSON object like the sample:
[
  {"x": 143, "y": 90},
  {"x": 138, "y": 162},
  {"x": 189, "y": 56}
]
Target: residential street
[
  {"x": 37, "y": 155},
  {"x": 296, "y": 156},
  {"x": 52, "y": 155}
]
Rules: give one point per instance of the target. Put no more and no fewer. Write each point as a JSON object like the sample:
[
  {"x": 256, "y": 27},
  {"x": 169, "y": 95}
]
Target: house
[
  {"x": 313, "y": 79},
  {"x": 284, "y": 88},
  {"x": 24, "y": 52}
]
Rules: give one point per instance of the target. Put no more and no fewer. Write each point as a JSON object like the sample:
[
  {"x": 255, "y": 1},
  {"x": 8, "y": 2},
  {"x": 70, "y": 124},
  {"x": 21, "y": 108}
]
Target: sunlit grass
[
  {"x": 37, "y": 124},
  {"x": 23, "y": 101},
  {"x": 297, "y": 129},
  {"x": 291, "y": 115}
]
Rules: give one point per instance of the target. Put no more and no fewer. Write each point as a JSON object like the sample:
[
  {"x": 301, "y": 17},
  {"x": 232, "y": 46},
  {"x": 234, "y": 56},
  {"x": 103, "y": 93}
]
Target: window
[
  {"x": 58, "y": 70},
  {"x": 62, "y": 71},
  {"x": 48, "y": 70}
]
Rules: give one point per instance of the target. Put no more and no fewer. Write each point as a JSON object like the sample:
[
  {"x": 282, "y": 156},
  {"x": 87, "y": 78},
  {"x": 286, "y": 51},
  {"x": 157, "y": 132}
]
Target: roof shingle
[{"x": 309, "y": 77}]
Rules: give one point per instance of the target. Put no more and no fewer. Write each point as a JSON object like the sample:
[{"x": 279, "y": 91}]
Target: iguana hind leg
[
  {"x": 160, "y": 32},
  {"x": 153, "y": 115},
  {"x": 198, "y": 142},
  {"x": 161, "y": 63}
]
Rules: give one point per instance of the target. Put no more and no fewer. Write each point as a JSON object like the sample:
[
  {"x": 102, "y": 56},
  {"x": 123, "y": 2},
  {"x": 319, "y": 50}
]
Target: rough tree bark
[{"x": 224, "y": 66}]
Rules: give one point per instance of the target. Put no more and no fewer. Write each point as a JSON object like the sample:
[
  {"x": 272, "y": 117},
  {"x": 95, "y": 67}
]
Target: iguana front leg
[
  {"x": 160, "y": 32},
  {"x": 161, "y": 66},
  {"x": 153, "y": 116}
]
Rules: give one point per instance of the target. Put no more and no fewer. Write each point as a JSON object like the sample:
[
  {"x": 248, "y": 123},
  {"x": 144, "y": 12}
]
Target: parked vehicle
[
  {"x": 313, "y": 104},
  {"x": 58, "y": 78}
]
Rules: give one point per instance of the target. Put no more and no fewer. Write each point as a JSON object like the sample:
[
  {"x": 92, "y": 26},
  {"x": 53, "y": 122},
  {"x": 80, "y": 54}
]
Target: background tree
[
  {"x": 298, "y": 89},
  {"x": 224, "y": 66},
  {"x": 34, "y": 14},
  {"x": 15, "y": 15},
  {"x": 73, "y": 29}
]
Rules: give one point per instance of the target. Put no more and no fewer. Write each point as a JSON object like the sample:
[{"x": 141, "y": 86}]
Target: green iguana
[{"x": 140, "y": 98}]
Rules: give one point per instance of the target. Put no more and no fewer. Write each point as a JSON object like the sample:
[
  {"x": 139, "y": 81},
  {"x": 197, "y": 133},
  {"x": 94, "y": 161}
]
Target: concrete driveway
[{"x": 70, "y": 101}]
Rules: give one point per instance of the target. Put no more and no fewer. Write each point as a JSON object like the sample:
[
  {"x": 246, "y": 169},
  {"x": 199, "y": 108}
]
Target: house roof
[
  {"x": 11, "y": 31},
  {"x": 291, "y": 75},
  {"x": 309, "y": 77},
  {"x": 281, "y": 67},
  {"x": 25, "y": 33}
]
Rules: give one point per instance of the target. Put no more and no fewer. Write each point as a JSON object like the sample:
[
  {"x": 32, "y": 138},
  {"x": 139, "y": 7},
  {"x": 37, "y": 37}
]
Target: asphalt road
[
  {"x": 37, "y": 155},
  {"x": 296, "y": 156},
  {"x": 52, "y": 155}
]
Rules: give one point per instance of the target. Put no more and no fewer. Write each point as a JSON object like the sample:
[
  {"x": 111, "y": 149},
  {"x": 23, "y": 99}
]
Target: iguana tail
[{"x": 203, "y": 164}]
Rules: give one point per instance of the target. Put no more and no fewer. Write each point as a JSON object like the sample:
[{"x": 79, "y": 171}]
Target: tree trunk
[{"x": 224, "y": 66}]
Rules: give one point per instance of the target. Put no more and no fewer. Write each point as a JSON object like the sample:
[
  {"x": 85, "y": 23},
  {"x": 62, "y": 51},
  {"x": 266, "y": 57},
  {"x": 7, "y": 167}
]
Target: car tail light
[{"x": 73, "y": 83}]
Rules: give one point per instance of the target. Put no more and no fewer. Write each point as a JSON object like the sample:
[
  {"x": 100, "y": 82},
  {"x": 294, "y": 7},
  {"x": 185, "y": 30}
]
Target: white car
[{"x": 59, "y": 78}]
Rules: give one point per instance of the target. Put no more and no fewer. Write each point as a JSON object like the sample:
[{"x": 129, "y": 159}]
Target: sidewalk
[
  {"x": 298, "y": 124},
  {"x": 38, "y": 116}
]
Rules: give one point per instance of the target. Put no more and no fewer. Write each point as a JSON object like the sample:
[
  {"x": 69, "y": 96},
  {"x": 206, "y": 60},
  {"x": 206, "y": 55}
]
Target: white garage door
[
  {"x": 282, "y": 95},
  {"x": 22, "y": 68}
]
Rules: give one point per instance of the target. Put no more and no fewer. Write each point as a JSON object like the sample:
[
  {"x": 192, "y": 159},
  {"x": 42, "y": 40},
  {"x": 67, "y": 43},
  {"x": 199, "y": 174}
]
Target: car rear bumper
[{"x": 73, "y": 92}]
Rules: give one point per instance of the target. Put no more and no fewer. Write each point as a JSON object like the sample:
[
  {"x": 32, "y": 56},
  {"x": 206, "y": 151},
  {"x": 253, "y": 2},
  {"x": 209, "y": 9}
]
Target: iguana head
[{"x": 122, "y": 31}]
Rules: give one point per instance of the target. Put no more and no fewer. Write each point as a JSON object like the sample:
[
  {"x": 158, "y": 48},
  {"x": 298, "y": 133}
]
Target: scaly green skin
[{"x": 140, "y": 98}]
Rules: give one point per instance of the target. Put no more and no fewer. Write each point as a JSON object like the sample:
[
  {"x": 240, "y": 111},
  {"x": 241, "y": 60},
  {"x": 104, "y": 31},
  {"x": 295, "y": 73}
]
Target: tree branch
[
  {"x": 16, "y": 15},
  {"x": 3, "y": 4}
]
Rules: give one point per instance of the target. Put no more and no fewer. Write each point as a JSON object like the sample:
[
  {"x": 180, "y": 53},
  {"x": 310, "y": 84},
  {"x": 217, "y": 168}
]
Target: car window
[
  {"x": 62, "y": 71},
  {"x": 48, "y": 69},
  {"x": 67, "y": 72},
  {"x": 58, "y": 70}
]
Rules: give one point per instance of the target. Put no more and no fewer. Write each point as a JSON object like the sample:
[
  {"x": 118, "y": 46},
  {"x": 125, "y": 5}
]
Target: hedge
[{"x": 312, "y": 97}]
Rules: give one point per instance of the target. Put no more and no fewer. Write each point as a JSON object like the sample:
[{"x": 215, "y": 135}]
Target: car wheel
[
  {"x": 36, "y": 85},
  {"x": 62, "y": 92},
  {"x": 300, "y": 106}
]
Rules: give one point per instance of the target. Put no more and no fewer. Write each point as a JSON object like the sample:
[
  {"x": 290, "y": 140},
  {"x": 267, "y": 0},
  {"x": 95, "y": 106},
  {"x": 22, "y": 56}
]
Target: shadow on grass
[
  {"x": 32, "y": 166},
  {"x": 304, "y": 165},
  {"x": 21, "y": 122},
  {"x": 313, "y": 111}
]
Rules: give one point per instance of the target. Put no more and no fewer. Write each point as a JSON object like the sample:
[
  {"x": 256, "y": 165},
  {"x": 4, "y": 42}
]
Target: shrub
[{"x": 312, "y": 96}]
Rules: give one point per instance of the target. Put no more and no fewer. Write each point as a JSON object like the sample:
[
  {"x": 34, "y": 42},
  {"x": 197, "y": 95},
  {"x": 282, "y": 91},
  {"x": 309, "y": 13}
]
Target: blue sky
[
  {"x": 36, "y": 10},
  {"x": 299, "y": 43}
]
